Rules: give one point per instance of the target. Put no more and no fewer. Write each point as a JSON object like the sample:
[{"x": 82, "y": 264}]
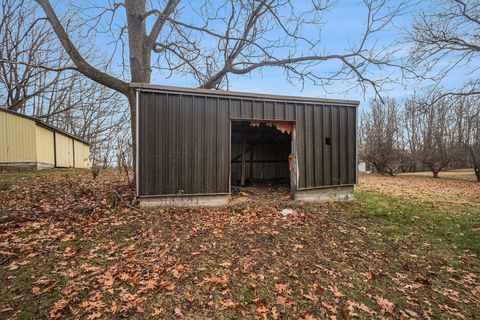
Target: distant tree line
[{"x": 430, "y": 132}]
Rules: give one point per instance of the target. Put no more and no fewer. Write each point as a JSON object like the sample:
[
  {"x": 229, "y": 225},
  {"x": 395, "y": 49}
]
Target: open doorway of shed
[{"x": 261, "y": 157}]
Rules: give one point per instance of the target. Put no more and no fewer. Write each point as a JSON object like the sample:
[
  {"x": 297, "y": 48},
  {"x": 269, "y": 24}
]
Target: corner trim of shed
[{"x": 137, "y": 152}]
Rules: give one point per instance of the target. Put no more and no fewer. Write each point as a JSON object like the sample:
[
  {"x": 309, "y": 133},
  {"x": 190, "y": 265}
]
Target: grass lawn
[
  {"x": 74, "y": 247},
  {"x": 457, "y": 174}
]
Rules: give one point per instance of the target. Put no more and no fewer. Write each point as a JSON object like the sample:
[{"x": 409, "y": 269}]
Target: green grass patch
[{"x": 457, "y": 226}]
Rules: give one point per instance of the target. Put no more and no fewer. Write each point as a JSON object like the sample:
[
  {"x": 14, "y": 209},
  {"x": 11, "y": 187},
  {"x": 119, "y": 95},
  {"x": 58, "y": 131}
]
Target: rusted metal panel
[{"x": 184, "y": 139}]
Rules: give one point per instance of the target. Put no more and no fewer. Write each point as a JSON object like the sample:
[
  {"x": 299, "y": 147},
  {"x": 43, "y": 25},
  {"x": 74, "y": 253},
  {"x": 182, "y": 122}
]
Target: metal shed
[
  {"x": 192, "y": 144},
  {"x": 29, "y": 143}
]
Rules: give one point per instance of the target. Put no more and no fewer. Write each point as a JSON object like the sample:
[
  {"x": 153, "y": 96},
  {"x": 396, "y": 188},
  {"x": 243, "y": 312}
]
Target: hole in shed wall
[{"x": 267, "y": 152}]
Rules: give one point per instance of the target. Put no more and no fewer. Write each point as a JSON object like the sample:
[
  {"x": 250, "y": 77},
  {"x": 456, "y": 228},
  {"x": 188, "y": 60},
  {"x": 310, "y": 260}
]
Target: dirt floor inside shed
[
  {"x": 75, "y": 247},
  {"x": 264, "y": 192}
]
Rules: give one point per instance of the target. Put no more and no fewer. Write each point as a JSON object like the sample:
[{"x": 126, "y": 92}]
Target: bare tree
[
  {"x": 36, "y": 79},
  {"x": 445, "y": 36},
  {"x": 26, "y": 42},
  {"x": 90, "y": 111},
  {"x": 469, "y": 136},
  {"x": 380, "y": 131},
  {"x": 413, "y": 136},
  {"x": 216, "y": 40},
  {"x": 431, "y": 131},
  {"x": 437, "y": 148}
]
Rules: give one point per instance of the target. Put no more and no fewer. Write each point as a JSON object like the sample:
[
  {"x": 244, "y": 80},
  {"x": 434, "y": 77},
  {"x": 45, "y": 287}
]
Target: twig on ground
[
  {"x": 4, "y": 260},
  {"x": 345, "y": 222},
  {"x": 337, "y": 220},
  {"x": 45, "y": 247},
  {"x": 128, "y": 204}
]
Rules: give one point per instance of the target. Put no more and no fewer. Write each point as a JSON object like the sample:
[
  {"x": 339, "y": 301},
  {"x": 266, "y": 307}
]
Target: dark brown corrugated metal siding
[{"x": 184, "y": 140}]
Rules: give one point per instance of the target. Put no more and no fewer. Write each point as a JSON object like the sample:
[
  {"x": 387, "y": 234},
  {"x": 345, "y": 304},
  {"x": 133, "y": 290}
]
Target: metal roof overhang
[{"x": 235, "y": 94}]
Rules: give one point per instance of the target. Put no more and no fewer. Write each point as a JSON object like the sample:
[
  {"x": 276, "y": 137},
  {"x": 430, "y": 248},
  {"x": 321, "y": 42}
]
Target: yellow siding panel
[
  {"x": 78, "y": 151},
  {"x": 3, "y": 137},
  {"x": 18, "y": 138},
  {"x": 64, "y": 150},
  {"x": 86, "y": 155},
  {"x": 23, "y": 141},
  {"x": 45, "y": 145},
  {"x": 70, "y": 152}
]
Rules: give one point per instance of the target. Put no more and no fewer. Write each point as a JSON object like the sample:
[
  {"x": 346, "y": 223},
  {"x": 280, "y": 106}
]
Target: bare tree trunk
[{"x": 138, "y": 42}]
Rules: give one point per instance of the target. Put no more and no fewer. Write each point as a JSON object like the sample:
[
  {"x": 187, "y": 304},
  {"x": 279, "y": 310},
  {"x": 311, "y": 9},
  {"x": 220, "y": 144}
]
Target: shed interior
[{"x": 266, "y": 150}]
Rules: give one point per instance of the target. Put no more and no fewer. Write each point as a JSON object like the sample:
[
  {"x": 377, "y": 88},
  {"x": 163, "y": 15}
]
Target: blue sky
[{"x": 343, "y": 24}]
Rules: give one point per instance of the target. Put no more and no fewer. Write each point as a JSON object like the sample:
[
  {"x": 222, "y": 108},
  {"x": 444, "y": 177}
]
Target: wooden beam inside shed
[
  {"x": 251, "y": 161},
  {"x": 242, "y": 175}
]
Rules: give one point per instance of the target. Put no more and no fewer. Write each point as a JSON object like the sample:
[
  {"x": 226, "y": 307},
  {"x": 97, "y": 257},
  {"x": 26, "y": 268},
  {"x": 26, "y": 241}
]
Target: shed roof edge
[
  {"x": 160, "y": 88},
  {"x": 45, "y": 125}
]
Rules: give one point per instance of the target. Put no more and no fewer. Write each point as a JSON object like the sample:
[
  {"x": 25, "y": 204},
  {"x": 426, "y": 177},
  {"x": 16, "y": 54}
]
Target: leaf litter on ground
[{"x": 73, "y": 247}]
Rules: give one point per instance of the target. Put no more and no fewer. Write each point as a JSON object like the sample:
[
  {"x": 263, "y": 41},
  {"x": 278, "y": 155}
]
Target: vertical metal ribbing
[
  {"x": 229, "y": 112},
  {"x": 137, "y": 166},
  {"x": 198, "y": 132},
  {"x": 347, "y": 144},
  {"x": 356, "y": 146}
]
